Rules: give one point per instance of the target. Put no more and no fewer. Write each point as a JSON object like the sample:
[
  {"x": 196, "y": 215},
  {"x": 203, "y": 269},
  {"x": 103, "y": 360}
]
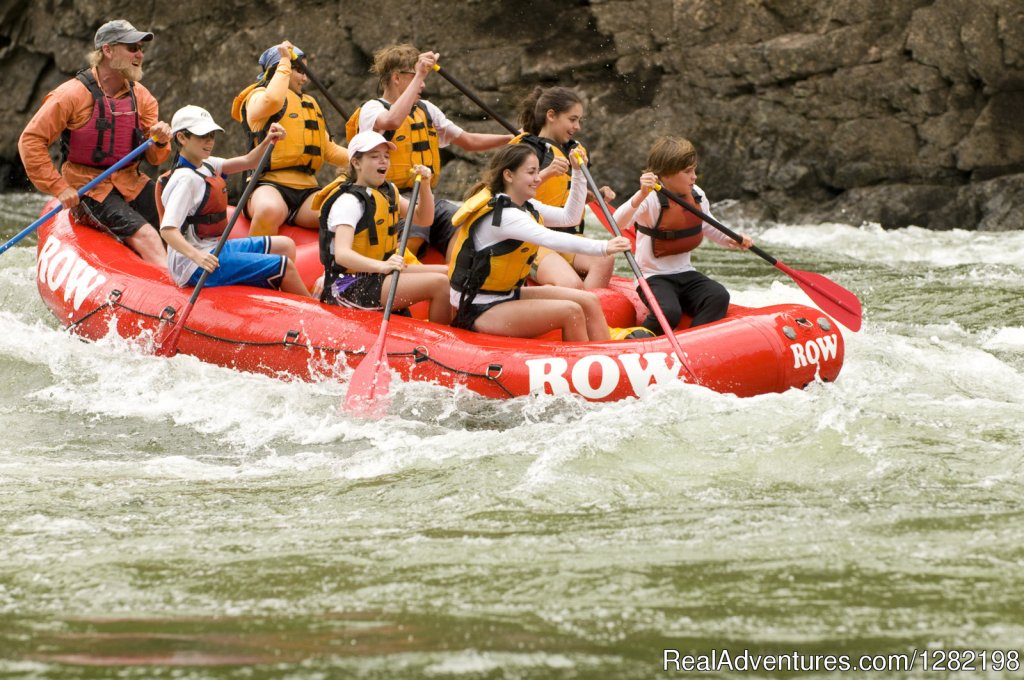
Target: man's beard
[{"x": 126, "y": 69}]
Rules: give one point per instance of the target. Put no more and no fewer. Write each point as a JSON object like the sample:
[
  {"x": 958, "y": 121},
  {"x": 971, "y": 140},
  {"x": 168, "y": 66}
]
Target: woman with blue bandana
[{"x": 284, "y": 192}]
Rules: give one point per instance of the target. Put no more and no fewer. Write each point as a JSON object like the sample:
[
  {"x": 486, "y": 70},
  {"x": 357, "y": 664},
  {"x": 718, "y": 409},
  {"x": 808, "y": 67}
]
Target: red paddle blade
[
  {"x": 836, "y": 301},
  {"x": 599, "y": 214},
  {"x": 167, "y": 344},
  {"x": 368, "y": 389}
]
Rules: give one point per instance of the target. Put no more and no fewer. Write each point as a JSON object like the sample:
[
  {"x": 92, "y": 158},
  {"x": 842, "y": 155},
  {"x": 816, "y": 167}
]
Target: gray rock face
[{"x": 894, "y": 111}]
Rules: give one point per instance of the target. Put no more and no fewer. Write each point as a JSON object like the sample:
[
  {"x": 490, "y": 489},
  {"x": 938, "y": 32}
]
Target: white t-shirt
[
  {"x": 181, "y": 198},
  {"x": 348, "y": 209},
  {"x": 519, "y": 225},
  {"x": 447, "y": 131},
  {"x": 647, "y": 216}
]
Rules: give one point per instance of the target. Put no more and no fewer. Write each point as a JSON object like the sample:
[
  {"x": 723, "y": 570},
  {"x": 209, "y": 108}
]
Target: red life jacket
[
  {"x": 211, "y": 217},
  {"x": 112, "y": 131},
  {"x": 677, "y": 230}
]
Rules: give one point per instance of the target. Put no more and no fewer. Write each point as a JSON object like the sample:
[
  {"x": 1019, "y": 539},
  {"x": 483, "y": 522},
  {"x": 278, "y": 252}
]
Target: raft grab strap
[{"x": 418, "y": 354}]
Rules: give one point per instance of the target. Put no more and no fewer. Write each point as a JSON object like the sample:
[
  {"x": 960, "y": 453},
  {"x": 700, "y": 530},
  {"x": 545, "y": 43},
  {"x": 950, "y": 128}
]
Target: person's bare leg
[
  {"x": 292, "y": 282},
  {"x": 415, "y": 287},
  {"x": 529, "y": 318},
  {"x": 146, "y": 242},
  {"x": 597, "y": 326},
  {"x": 553, "y": 270},
  {"x": 596, "y": 270},
  {"x": 268, "y": 211},
  {"x": 282, "y": 245}
]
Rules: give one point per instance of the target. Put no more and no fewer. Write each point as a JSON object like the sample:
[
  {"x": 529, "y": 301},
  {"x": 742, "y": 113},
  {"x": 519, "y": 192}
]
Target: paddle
[
  {"x": 476, "y": 100},
  {"x": 368, "y": 389},
  {"x": 652, "y": 303},
  {"x": 167, "y": 346},
  {"x": 323, "y": 90},
  {"x": 504, "y": 122},
  {"x": 135, "y": 153},
  {"x": 832, "y": 298}
]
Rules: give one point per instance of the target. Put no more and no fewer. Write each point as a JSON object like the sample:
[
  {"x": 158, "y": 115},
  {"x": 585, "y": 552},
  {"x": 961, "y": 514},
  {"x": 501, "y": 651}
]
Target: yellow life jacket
[
  {"x": 376, "y": 234},
  {"x": 554, "y": 190},
  {"x": 306, "y": 133},
  {"x": 416, "y": 139},
  {"x": 497, "y": 269}
]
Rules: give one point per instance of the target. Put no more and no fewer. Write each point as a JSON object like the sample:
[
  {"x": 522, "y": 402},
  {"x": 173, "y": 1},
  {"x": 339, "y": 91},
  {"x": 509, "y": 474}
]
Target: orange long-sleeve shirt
[
  {"x": 69, "y": 107},
  {"x": 263, "y": 102}
]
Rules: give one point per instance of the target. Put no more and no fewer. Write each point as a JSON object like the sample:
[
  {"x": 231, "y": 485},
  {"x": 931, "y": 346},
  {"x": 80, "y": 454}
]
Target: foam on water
[
  {"x": 114, "y": 379},
  {"x": 910, "y": 245},
  {"x": 540, "y": 535}
]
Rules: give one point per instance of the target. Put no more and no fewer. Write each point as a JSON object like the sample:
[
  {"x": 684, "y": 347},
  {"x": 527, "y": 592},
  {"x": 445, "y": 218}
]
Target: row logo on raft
[
  {"x": 641, "y": 370},
  {"x": 552, "y": 374},
  {"x": 59, "y": 266},
  {"x": 815, "y": 351}
]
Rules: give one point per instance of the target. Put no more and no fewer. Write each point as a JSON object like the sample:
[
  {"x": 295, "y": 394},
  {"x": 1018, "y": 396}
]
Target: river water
[{"x": 168, "y": 518}]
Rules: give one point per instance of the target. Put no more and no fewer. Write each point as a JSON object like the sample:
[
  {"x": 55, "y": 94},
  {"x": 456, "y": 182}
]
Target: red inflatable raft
[{"x": 94, "y": 285}]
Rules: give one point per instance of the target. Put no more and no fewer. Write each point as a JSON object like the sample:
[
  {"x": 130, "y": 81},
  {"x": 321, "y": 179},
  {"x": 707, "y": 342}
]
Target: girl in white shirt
[
  {"x": 359, "y": 250},
  {"x": 490, "y": 261}
]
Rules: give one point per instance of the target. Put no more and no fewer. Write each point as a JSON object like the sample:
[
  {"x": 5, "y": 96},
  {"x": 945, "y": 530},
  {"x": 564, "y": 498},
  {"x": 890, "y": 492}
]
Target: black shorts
[
  {"x": 358, "y": 291},
  {"x": 116, "y": 215},
  {"x": 293, "y": 199},
  {"x": 467, "y": 314},
  {"x": 438, "y": 234}
]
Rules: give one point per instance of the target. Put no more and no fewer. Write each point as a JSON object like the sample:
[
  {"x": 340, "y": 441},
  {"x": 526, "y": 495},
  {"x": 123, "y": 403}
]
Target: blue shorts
[{"x": 246, "y": 262}]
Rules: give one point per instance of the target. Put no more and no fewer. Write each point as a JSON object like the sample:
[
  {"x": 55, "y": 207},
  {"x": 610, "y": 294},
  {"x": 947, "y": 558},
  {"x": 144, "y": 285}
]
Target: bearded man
[{"x": 100, "y": 116}]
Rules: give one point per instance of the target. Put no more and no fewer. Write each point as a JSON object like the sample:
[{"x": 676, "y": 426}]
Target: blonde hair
[
  {"x": 669, "y": 155},
  {"x": 95, "y": 58},
  {"x": 392, "y": 59}
]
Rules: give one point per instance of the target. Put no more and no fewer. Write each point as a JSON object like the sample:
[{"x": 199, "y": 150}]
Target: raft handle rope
[{"x": 418, "y": 354}]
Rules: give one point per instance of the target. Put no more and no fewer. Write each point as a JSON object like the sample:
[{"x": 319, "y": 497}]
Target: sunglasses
[
  {"x": 133, "y": 47},
  {"x": 208, "y": 135}
]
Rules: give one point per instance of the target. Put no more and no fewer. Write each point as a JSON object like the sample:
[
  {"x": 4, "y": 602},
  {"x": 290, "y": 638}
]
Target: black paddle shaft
[
  {"x": 406, "y": 228},
  {"x": 716, "y": 224},
  {"x": 610, "y": 219},
  {"x": 327, "y": 95},
  {"x": 476, "y": 100}
]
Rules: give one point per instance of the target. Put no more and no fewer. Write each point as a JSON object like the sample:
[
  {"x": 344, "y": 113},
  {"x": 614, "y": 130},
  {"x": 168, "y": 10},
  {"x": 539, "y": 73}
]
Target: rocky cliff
[{"x": 893, "y": 111}]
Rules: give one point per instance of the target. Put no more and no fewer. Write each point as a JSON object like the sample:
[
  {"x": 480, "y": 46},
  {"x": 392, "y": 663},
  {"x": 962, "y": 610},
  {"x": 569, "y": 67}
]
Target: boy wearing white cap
[
  {"x": 100, "y": 116},
  {"x": 192, "y": 201},
  {"x": 360, "y": 230}
]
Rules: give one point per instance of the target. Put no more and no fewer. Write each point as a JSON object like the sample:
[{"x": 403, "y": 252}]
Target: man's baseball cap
[{"x": 120, "y": 31}]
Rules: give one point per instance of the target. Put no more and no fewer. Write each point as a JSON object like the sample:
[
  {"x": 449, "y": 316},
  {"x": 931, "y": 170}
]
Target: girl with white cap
[
  {"x": 192, "y": 201},
  {"x": 360, "y": 220}
]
